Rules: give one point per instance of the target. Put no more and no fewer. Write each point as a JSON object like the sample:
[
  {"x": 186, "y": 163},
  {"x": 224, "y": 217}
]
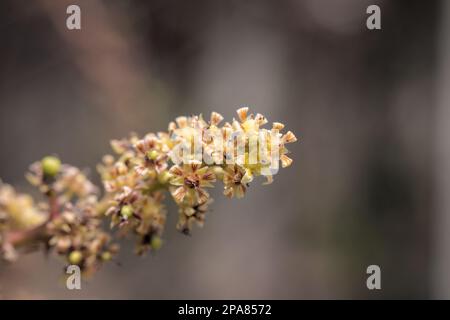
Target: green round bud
[
  {"x": 126, "y": 211},
  {"x": 164, "y": 177},
  {"x": 156, "y": 243},
  {"x": 75, "y": 257},
  {"x": 50, "y": 166},
  {"x": 152, "y": 155},
  {"x": 106, "y": 256}
]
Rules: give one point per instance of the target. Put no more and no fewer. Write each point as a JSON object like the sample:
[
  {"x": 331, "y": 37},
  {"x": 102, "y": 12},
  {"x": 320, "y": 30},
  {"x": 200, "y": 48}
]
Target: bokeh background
[{"x": 371, "y": 176}]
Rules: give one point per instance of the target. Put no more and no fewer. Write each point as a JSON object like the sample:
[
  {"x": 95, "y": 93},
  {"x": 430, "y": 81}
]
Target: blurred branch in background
[{"x": 110, "y": 57}]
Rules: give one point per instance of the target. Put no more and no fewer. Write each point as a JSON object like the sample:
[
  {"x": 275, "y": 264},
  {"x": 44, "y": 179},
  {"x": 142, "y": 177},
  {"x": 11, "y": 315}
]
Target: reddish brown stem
[
  {"x": 53, "y": 204},
  {"x": 17, "y": 238}
]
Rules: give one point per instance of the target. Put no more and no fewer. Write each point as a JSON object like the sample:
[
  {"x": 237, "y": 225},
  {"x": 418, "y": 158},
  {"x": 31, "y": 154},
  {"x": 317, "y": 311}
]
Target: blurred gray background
[{"x": 371, "y": 172}]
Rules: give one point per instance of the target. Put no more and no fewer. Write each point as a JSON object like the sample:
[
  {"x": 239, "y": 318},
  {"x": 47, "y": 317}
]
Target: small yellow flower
[
  {"x": 191, "y": 179},
  {"x": 233, "y": 181},
  {"x": 152, "y": 155}
]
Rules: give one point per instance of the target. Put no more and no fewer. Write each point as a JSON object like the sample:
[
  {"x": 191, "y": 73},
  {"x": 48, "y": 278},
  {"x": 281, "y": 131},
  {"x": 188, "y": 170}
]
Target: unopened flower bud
[
  {"x": 121, "y": 168},
  {"x": 106, "y": 256},
  {"x": 152, "y": 155},
  {"x": 75, "y": 257},
  {"x": 50, "y": 166},
  {"x": 156, "y": 243},
  {"x": 126, "y": 211}
]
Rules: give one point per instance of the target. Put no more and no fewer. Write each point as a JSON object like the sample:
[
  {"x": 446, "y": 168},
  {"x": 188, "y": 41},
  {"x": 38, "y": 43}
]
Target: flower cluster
[
  {"x": 63, "y": 180},
  {"x": 182, "y": 163},
  {"x": 76, "y": 235},
  {"x": 17, "y": 212},
  {"x": 144, "y": 167},
  {"x": 73, "y": 229}
]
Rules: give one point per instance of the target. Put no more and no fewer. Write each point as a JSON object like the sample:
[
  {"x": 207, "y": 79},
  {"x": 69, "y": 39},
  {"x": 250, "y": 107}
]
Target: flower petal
[
  {"x": 242, "y": 113},
  {"x": 285, "y": 161},
  {"x": 288, "y": 137},
  {"x": 179, "y": 194}
]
